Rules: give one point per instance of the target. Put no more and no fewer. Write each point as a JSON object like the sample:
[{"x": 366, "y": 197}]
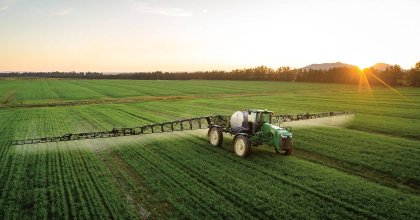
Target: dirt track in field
[{"x": 130, "y": 100}]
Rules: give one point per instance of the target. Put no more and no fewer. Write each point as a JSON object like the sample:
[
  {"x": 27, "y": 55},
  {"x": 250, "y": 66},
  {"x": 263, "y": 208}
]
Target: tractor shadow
[{"x": 256, "y": 151}]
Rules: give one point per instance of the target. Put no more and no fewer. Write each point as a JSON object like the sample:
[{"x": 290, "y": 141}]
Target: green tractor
[{"x": 252, "y": 128}]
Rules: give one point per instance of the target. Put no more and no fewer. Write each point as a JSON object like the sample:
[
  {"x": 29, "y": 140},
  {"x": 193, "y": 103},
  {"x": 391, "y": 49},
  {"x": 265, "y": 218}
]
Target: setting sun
[{"x": 363, "y": 67}]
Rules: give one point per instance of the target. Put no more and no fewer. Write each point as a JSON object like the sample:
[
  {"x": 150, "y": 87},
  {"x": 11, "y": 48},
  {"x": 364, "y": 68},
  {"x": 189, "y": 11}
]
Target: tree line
[{"x": 393, "y": 75}]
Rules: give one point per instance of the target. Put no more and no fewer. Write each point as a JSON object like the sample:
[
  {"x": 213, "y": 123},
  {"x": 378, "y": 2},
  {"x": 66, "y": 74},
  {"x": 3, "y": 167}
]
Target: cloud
[
  {"x": 62, "y": 12},
  {"x": 144, "y": 7},
  {"x": 3, "y": 7}
]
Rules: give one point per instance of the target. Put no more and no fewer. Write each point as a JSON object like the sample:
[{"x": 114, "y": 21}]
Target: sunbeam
[
  {"x": 364, "y": 81},
  {"x": 384, "y": 83}
]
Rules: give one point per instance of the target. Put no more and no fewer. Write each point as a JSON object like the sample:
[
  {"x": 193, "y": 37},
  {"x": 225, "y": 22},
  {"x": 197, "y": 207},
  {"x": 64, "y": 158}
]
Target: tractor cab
[{"x": 256, "y": 119}]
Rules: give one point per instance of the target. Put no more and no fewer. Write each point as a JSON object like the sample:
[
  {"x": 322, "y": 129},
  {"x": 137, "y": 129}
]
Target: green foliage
[
  {"x": 393, "y": 75},
  {"x": 369, "y": 169}
]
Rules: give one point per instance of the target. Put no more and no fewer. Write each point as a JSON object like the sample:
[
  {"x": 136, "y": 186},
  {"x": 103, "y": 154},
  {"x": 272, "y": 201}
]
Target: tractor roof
[{"x": 259, "y": 110}]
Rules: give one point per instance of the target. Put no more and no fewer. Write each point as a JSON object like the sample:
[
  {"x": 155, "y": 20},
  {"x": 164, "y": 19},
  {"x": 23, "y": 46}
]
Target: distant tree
[
  {"x": 413, "y": 77},
  {"x": 417, "y": 66},
  {"x": 392, "y": 75}
]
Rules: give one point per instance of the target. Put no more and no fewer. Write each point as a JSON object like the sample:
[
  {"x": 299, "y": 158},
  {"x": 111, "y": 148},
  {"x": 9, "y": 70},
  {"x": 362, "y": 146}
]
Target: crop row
[
  {"x": 292, "y": 96},
  {"x": 141, "y": 113},
  {"x": 384, "y": 113},
  {"x": 266, "y": 185},
  {"x": 77, "y": 179},
  {"x": 53, "y": 90},
  {"x": 167, "y": 150},
  {"x": 356, "y": 147},
  {"x": 389, "y": 125},
  {"x": 396, "y": 157},
  {"x": 54, "y": 180}
]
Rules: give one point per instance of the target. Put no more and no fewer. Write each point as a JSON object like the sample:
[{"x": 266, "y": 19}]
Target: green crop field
[{"x": 368, "y": 168}]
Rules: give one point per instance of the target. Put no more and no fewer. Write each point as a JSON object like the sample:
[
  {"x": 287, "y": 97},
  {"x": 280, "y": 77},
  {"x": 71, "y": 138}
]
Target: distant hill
[
  {"x": 381, "y": 66},
  {"x": 327, "y": 66}
]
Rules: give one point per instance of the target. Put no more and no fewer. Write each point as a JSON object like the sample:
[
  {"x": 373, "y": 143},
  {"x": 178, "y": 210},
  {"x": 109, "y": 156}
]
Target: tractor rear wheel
[
  {"x": 242, "y": 145},
  {"x": 287, "y": 146},
  {"x": 215, "y": 136}
]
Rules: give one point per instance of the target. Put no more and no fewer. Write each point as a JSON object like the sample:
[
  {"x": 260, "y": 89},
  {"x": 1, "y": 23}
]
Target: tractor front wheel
[
  {"x": 215, "y": 136},
  {"x": 242, "y": 145}
]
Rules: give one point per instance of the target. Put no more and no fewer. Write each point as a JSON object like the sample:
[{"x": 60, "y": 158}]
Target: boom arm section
[{"x": 178, "y": 125}]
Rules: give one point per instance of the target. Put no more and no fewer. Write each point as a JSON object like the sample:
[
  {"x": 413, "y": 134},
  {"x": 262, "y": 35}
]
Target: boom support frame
[{"x": 178, "y": 125}]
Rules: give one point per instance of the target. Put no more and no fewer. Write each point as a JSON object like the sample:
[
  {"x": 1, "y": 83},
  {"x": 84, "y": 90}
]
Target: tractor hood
[
  {"x": 283, "y": 132},
  {"x": 276, "y": 135}
]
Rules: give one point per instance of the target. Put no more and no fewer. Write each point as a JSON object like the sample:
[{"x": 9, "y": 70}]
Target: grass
[{"x": 353, "y": 172}]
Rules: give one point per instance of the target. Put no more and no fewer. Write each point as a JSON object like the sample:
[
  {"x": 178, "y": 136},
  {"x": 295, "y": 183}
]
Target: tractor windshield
[{"x": 266, "y": 117}]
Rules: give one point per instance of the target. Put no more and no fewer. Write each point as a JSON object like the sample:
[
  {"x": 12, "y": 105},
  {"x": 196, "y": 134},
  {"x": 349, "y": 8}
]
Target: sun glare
[
  {"x": 363, "y": 81},
  {"x": 362, "y": 67}
]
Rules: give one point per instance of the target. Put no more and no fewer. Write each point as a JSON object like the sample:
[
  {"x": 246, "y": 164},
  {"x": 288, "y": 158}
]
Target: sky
[{"x": 187, "y": 35}]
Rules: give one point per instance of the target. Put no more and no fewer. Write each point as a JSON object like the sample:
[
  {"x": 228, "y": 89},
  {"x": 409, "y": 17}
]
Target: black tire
[
  {"x": 215, "y": 136},
  {"x": 242, "y": 145},
  {"x": 287, "y": 146},
  {"x": 277, "y": 151}
]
